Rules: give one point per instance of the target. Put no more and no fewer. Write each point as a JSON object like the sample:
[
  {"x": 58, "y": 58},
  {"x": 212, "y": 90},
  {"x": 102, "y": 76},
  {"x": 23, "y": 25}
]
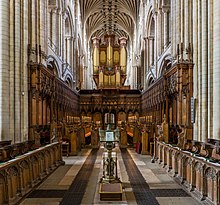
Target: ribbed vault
[{"x": 109, "y": 16}]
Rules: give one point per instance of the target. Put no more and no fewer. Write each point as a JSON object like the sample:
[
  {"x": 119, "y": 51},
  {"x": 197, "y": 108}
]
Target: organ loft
[
  {"x": 110, "y": 60},
  {"x": 109, "y": 102}
]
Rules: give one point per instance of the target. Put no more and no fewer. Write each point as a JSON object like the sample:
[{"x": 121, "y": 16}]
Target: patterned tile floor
[{"x": 143, "y": 182}]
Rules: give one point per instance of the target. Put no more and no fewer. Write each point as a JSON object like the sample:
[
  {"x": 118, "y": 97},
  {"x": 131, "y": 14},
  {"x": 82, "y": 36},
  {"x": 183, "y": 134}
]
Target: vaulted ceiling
[{"x": 109, "y": 16}]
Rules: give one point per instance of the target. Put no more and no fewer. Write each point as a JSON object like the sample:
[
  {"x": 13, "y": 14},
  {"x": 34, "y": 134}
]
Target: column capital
[
  {"x": 165, "y": 9},
  {"x": 155, "y": 12},
  {"x": 69, "y": 37},
  {"x": 59, "y": 11},
  {"x": 53, "y": 9},
  {"x": 150, "y": 37},
  {"x": 65, "y": 14}
]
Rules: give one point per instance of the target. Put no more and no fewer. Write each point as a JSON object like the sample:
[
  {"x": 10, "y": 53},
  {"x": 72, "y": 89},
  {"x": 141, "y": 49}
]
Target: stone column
[
  {"x": 134, "y": 77},
  {"x": 12, "y": 72},
  {"x": 156, "y": 41},
  {"x": 63, "y": 39},
  {"x": 60, "y": 29},
  {"x": 54, "y": 27},
  {"x": 146, "y": 60},
  {"x": 199, "y": 70},
  {"x": 210, "y": 68},
  {"x": 186, "y": 24},
  {"x": 65, "y": 50},
  {"x": 4, "y": 70},
  {"x": 84, "y": 83},
  {"x": 195, "y": 69},
  {"x": 204, "y": 131},
  {"x": 166, "y": 28},
  {"x": 216, "y": 70},
  {"x": 42, "y": 26},
  {"x": 17, "y": 72},
  {"x": 71, "y": 52},
  {"x": 159, "y": 33},
  {"x": 178, "y": 23},
  {"x": 173, "y": 27},
  {"x": 33, "y": 23},
  {"x": 182, "y": 19},
  {"x": 151, "y": 46},
  {"x": 74, "y": 61},
  {"x": 146, "y": 49},
  {"x": 68, "y": 50},
  {"x": 24, "y": 80}
]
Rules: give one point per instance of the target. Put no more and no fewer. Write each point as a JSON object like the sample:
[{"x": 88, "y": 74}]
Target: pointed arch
[
  {"x": 165, "y": 65},
  {"x": 150, "y": 79},
  {"x": 53, "y": 65},
  {"x": 69, "y": 80}
]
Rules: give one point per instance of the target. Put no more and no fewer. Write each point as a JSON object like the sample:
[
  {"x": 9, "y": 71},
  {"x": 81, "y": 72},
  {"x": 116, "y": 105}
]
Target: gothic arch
[
  {"x": 69, "y": 80},
  {"x": 150, "y": 79},
  {"x": 53, "y": 66},
  {"x": 165, "y": 65}
]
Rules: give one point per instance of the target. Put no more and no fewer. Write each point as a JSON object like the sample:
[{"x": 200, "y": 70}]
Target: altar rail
[
  {"x": 196, "y": 173},
  {"x": 18, "y": 176}
]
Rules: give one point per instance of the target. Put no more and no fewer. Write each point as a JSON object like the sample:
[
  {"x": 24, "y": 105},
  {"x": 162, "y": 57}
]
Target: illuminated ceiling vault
[{"x": 109, "y": 16}]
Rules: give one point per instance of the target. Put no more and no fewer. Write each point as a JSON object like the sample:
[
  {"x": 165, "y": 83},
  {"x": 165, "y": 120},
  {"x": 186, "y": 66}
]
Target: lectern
[
  {"x": 110, "y": 184},
  {"x": 109, "y": 137}
]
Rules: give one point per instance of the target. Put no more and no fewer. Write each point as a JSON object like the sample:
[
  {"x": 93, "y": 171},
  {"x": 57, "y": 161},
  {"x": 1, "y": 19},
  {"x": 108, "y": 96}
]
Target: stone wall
[
  {"x": 34, "y": 34},
  {"x": 189, "y": 28}
]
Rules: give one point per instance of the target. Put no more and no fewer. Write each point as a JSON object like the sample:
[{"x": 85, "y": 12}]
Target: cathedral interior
[{"x": 110, "y": 102}]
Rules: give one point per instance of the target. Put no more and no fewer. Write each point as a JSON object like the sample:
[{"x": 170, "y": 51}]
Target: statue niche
[{"x": 109, "y": 62}]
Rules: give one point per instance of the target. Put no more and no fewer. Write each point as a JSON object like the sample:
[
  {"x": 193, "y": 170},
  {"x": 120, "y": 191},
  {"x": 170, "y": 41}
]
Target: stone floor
[{"x": 159, "y": 186}]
